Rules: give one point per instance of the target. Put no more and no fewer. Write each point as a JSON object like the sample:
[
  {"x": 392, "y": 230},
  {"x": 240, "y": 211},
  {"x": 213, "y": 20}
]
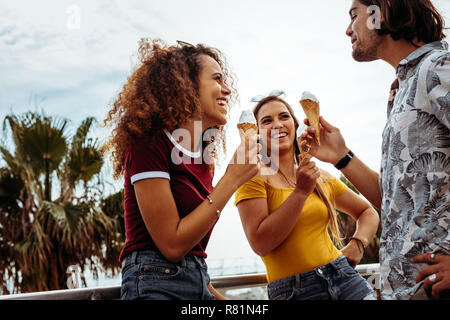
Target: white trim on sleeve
[{"x": 149, "y": 175}]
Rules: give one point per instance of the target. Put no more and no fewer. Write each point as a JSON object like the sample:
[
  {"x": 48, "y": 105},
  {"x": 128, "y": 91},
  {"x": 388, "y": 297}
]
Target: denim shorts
[
  {"x": 336, "y": 280},
  {"x": 148, "y": 275}
]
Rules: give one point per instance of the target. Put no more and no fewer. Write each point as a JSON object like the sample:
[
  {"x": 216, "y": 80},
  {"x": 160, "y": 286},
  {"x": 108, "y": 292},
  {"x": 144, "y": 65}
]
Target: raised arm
[
  {"x": 264, "y": 231},
  {"x": 175, "y": 237},
  {"x": 367, "y": 221}
]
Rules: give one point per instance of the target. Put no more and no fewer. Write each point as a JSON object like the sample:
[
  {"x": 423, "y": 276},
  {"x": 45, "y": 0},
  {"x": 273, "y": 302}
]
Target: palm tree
[
  {"x": 51, "y": 202},
  {"x": 347, "y": 228},
  {"x": 113, "y": 207}
]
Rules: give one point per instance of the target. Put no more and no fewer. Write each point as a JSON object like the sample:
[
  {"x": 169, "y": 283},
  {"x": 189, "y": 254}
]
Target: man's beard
[{"x": 368, "y": 51}]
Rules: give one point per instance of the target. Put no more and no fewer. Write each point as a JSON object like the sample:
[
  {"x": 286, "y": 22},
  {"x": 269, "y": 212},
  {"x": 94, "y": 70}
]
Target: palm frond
[
  {"x": 10, "y": 160},
  {"x": 38, "y": 140},
  {"x": 11, "y": 186},
  {"x": 80, "y": 136},
  {"x": 86, "y": 161}
]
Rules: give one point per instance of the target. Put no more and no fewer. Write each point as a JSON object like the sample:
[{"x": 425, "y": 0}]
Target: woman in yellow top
[{"x": 285, "y": 215}]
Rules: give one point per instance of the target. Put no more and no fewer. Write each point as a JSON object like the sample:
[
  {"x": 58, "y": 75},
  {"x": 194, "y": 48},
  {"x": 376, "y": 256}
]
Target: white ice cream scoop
[
  {"x": 309, "y": 96},
  {"x": 247, "y": 117}
]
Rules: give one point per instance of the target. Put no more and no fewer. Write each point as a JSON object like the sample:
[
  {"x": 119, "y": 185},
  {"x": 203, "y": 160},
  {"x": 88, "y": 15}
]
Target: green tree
[
  {"x": 347, "y": 227},
  {"x": 51, "y": 207}
]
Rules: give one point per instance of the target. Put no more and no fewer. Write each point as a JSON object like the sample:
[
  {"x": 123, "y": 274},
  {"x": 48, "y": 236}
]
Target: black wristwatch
[{"x": 344, "y": 161}]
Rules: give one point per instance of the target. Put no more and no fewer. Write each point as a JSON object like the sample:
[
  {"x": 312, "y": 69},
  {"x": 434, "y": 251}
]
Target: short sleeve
[
  {"x": 254, "y": 188},
  {"x": 438, "y": 87},
  {"x": 147, "y": 160},
  {"x": 335, "y": 188}
]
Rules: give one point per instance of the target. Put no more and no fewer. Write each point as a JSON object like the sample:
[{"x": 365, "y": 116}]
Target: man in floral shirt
[
  {"x": 413, "y": 187},
  {"x": 415, "y": 167}
]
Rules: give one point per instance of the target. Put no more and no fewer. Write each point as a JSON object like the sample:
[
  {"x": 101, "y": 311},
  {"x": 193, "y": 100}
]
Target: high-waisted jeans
[
  {"x": 336, "y": 280},
  {"x": 149, "y": 275}
]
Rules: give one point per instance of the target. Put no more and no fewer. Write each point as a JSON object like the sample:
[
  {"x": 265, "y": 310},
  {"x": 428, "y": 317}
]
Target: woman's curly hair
[{"x": 162, "y": 93}]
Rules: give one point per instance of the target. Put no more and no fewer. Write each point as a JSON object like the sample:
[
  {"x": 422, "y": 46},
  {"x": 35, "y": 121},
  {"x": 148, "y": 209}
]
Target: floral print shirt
[{"x": 415, "y": 167}]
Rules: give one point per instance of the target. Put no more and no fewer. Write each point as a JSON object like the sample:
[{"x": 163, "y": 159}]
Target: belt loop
[
  {"x": 334, "y": 264},
  {"x": 183, "y": 262},
  {"x": 338, "y": 263},
  {"x": 133, "y": 257},
  {"x": 298, "y": 281}
]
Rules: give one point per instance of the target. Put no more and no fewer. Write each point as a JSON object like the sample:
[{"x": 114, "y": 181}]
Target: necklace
[{"x": 287, "y": 180}]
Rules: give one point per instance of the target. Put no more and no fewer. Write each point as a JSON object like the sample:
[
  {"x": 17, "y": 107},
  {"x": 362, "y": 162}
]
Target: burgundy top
[{"x": 190, "y": 183}]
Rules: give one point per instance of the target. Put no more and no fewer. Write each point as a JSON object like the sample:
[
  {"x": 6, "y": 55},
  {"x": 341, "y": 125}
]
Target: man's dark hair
[{"x": 409, "y": 19}]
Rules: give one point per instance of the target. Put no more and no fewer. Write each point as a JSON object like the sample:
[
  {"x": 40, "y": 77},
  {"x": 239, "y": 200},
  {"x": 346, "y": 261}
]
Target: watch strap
[{"x": 344, "y": 161}]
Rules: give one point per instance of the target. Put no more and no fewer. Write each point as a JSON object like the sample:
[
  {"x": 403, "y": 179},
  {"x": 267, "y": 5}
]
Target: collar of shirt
[
  {"x": 409, "y": 62},
  {"x": 194, "y": 155},
  {"x": 414, "y": 58}
]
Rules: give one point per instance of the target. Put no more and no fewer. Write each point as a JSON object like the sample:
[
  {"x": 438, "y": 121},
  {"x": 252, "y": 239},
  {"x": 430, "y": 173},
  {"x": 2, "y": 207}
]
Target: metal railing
[{"x": 371, "y": 271}]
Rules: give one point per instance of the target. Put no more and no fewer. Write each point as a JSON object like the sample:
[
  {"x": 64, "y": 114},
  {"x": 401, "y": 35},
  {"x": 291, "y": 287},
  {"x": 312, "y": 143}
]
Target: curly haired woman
[{"x": 171, "y": 207}]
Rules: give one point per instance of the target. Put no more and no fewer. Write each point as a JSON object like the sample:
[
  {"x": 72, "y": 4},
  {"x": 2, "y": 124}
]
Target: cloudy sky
[{"x": 70, "y": 59}]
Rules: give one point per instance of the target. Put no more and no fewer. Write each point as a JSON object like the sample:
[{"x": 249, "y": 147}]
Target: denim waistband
[
  {"x": 142, "y": 256},
  {"x": 295, "y": 280}
]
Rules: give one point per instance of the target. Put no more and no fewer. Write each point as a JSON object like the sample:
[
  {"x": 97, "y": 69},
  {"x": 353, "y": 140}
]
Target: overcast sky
[{"x": 50, "y": 60}]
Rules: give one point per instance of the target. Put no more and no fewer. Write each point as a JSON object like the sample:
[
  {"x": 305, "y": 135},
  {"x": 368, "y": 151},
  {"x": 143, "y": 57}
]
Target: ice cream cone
[
  {"x": 248, "y": 128},
  {"x": 247, "y": 124},
  {"x": 311, "y": 107}
]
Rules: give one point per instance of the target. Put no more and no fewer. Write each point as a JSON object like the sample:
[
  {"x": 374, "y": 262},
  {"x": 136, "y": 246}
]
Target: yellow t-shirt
[{"x": 309, "y": 244}]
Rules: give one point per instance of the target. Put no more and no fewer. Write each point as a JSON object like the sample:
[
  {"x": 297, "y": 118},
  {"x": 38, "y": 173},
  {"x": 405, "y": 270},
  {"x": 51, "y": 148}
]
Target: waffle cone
[
  {"x": 312, "y": 112},
  {"x": 248, "y": 128}
]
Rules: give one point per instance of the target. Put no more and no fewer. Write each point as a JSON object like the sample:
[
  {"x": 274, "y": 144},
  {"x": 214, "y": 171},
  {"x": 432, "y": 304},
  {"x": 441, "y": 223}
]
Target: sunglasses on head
[
  {"x": 259, "y": 97},
  {"x": 185, "y": 44}
]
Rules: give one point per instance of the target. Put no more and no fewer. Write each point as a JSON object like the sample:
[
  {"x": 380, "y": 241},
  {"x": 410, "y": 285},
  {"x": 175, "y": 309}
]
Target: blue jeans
[
  {"x": 148, "y": 275},
  {"x": 336, "y": 280}
]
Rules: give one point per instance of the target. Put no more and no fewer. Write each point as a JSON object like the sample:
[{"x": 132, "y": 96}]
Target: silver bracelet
[{"x": 210, "y": 202}]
